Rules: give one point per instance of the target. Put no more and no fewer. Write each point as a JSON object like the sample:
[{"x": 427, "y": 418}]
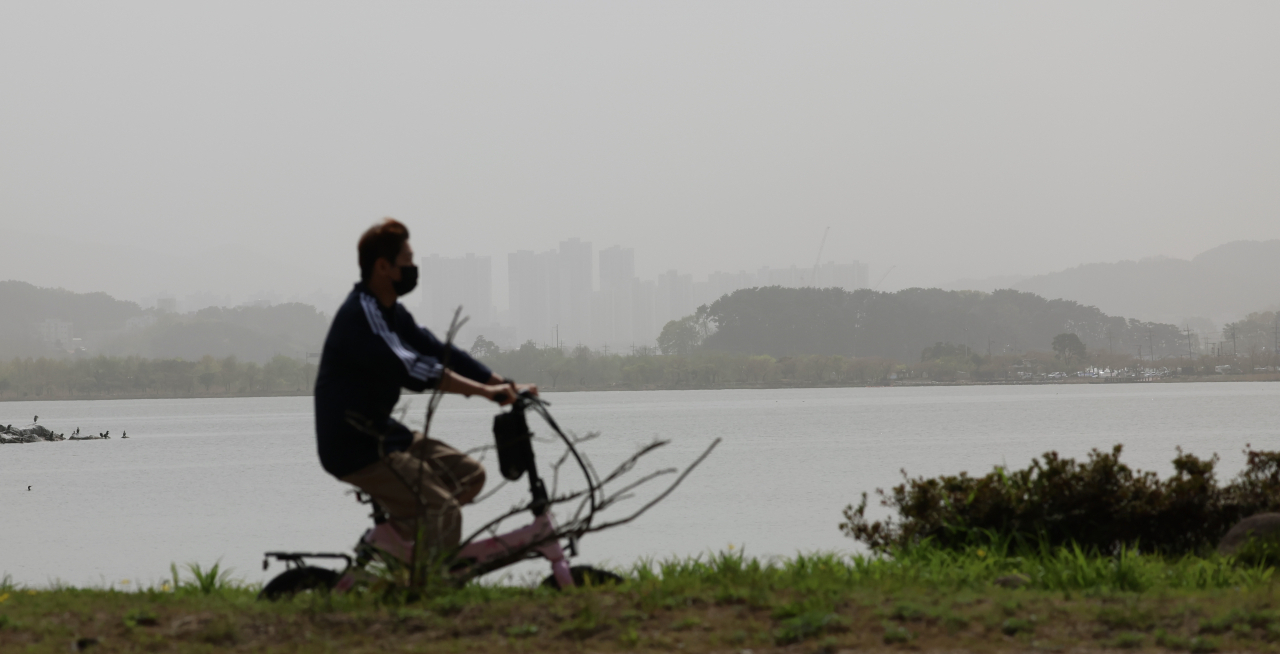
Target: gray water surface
[{"x": 227, "y": 479}]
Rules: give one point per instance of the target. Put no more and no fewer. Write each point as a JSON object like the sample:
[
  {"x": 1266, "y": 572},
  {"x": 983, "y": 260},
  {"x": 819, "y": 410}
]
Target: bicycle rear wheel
[{"x": 299, "y": 580}]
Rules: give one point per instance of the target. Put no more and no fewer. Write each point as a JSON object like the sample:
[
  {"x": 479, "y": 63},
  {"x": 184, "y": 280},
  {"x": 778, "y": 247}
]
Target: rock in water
[{"x": 1262, "y": 526}]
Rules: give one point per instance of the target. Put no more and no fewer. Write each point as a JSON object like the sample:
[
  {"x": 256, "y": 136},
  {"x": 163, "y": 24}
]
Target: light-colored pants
[{"x": 429, "y": 480}]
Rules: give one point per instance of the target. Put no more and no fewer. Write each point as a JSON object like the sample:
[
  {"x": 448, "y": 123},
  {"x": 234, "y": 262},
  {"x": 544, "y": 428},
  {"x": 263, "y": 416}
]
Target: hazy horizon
[{"x": 150, "y": 148}]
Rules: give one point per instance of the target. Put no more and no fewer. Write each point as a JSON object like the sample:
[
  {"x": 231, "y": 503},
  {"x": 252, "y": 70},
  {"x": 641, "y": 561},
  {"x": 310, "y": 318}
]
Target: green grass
[{"x": 921, "y": 599}]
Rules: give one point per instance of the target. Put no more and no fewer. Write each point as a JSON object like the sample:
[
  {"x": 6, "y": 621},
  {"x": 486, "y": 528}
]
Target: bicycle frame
[{"x": 482, "y": 555}]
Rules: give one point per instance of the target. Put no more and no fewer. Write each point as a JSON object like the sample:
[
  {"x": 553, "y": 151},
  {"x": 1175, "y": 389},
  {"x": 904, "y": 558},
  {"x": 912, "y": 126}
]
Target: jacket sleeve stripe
[{"x": 418, "y": 368}]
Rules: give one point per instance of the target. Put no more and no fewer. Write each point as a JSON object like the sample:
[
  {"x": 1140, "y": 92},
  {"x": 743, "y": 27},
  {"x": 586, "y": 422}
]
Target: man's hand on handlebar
[
  {"x": 500, "y": 390},
  {"x": 505, "y": 394}
]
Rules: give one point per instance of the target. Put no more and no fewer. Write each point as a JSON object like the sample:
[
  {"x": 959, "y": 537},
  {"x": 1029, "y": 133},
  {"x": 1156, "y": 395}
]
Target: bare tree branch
[
  {"x": 659, "y": 498},
  {"x": 612, "y": 499},
  {"x": 502, "y": 484}
]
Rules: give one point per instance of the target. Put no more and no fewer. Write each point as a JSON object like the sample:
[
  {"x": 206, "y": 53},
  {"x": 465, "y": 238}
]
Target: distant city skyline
[{"x": 573, "y": 294}]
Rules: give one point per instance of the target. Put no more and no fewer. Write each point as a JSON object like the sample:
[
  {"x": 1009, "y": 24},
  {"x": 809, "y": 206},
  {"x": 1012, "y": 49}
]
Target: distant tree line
[
  {"x": 103, "y": 377},
  {"x": 783, "y": 322},
  {"x": 105, "y": 325},
  {"x": 581, "y": 368},
  {"x": 1256, "y": 336}
]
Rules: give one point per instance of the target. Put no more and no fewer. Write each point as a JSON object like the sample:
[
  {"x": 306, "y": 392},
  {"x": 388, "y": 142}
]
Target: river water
[{"x": 205, "y": 480}]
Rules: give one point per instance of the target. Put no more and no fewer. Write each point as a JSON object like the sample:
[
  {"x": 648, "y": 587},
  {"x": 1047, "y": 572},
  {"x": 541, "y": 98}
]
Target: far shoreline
[{"x": 897, "y": 383}]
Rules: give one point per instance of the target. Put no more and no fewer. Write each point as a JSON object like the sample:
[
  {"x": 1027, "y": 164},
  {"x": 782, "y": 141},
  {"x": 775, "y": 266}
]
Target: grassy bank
[{"x": 920, "y": 600}]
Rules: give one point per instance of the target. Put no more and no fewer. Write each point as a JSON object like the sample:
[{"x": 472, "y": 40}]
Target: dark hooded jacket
[{"x": 372, "y": 352}]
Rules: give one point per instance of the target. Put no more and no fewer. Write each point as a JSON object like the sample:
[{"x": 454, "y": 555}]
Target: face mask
[{"x": 408, "y": 280}]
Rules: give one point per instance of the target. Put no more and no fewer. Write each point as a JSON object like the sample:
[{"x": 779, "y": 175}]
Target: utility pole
[
  {"x": 1151, "y": 348},
  {"x": 813, "y": 278},
  {"x": 307, "y": 359}
]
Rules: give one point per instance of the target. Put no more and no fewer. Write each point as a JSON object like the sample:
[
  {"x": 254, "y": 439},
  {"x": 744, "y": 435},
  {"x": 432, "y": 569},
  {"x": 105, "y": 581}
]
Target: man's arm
[
  {"x": 500, "y": 392},
  {"x": 456, "y": 358},
  {"x": 465, "y": 368},
  {"x": 495, "y": 378}
]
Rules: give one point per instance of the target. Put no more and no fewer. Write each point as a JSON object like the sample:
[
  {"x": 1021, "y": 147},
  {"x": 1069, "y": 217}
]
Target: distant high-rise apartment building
[
  {"x": 849, "y": 276},
  {"x": 612, "y": 310},
  {"x": 673, "y": 298},
  {"x": 533, "y": 288},
  {"x": 447, "y": 283},
  {"x": 644, "y": 324},
  {"x": 576, "y": 285},
  {"x": 54, "y": 332},
  {"x": 617, "y": 268}
]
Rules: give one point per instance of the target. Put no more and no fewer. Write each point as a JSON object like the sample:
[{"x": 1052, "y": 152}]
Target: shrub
[{"x": 1100, "y": 504}]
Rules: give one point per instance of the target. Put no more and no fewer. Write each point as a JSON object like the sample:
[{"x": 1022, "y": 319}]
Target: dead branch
[
  {"x": 613, "y": 499},
  {"x": 659, "y": 498}
]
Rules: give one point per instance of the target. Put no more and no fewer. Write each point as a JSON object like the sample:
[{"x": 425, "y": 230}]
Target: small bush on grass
[
  {"x": 1129, "y": 640},
  {"x": 1125, "y": 618},
  {"x": 1100, "y": 504},
  {"x": 1228, "y": 621},
  {"x": 1015, "y": 626},
  {"x": 587, "y": 622},
  {"x": 522, "y": 631},
  {"x": 896, "y": 634},
  {"x": 1263, "y": 552},
  {"x": 1197, "y": 645},
  {"x": 807, "y": 625},
  {"x": 205, "y": 582}
]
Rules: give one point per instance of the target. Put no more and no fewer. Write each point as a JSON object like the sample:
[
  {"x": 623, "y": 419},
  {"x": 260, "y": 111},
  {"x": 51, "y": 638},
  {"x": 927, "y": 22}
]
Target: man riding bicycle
[{"x": 374, "y": 348}]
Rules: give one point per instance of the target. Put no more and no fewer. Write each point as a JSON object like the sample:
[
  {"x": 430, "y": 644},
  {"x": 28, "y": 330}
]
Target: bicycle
[{"x": 541, "y": 538}]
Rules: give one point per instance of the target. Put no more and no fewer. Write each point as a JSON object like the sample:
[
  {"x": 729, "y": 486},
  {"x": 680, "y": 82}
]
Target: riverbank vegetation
[
  {"x": 584, "y": 369},
  {"x": 127, "y": 377},
  {"x": 977, "y": 598},
  {"x": 1099, "y": 504}
]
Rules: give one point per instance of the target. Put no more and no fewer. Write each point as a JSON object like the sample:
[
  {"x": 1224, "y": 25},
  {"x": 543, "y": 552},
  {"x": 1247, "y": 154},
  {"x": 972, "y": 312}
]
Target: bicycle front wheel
[{"x": 585, "y": 575}]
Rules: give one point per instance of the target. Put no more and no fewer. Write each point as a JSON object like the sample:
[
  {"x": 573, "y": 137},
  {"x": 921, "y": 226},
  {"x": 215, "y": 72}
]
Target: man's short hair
[{"x": 383, "y": 240}]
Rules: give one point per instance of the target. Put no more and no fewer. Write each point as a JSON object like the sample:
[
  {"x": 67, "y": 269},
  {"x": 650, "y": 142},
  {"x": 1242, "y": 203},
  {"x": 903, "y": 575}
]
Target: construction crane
[
  {"x": 813, "y": 278},
  {"x": 886, "y": 274}
]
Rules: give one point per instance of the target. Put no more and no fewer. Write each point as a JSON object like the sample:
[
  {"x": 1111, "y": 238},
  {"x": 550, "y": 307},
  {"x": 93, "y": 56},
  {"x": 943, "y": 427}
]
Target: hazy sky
[{"x": 233, "y": 147}]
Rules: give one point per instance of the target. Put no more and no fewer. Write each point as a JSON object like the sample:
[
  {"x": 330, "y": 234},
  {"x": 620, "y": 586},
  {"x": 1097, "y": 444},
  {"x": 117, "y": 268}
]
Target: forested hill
[
  {"x": 1221, "y": 284},
  {"x": 793, "y": 321},
  {"x": 22, "y": 305}
]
